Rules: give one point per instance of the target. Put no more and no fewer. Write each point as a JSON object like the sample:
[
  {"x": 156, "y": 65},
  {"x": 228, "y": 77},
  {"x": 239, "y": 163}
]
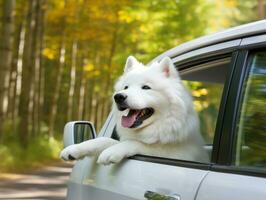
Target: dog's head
[{"x": 143, "y": 94}]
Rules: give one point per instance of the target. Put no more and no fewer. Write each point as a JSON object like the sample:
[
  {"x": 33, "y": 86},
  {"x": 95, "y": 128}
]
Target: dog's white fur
[{"x": 172, "y": 131}]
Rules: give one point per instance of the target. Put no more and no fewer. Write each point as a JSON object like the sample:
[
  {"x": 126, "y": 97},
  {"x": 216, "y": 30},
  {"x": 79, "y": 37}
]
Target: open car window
[{"x": 205, "y": 83}]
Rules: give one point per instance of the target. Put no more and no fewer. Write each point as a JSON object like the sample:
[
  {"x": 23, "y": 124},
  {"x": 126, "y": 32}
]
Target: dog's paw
[
  {"x": 71, "y": 152},
  {"x": 109, "y": 156}
]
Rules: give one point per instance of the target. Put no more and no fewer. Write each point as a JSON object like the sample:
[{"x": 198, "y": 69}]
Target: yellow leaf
[
  {"x": 97, "y": 73},
  {"x": 88, "y": 67},
  {"x": 124, "y": 16},
  {"x": 49, "y": 53},
  {"x": 199, "y": 92}
]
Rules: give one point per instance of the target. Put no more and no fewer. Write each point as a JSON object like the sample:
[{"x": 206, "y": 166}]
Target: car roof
[{"x": 242, "y": 31}]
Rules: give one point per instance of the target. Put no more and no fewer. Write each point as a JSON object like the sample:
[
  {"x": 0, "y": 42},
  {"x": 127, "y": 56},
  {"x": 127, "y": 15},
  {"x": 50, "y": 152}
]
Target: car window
[
  {"x": 206, "y": 83},
  {"x": 250, "y": 145}
]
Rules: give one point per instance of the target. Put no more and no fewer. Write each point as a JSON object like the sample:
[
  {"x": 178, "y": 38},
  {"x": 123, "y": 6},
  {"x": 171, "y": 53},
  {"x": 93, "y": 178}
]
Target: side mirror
[{"x": 78, "y": 131}]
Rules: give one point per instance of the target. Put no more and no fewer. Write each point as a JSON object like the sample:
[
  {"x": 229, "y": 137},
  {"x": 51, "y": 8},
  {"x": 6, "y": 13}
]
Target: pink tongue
[{"x": 128, "y": 121}]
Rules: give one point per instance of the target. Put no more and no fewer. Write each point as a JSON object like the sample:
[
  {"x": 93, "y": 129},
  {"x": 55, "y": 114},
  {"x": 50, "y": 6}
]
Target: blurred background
[{"x": 59, "y": 61}]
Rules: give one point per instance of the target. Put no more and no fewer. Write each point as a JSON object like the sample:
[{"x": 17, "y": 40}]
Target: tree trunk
[
  {"x": 37, "y": 63},
  {"x": 35, "y": 53},
  {"x": 261, "y": 9},
  {"x": 91, "y": 95},
  {"x": 96, "y": 109},
  {"x": 62, "y": 57},
  {"x": 90, "y": 99},
  {"x": 6, "y": 56},
  {"x": 81, "y": 94},
  {"x": 19, "y": 65},
  {"x": 109, "y": 85},
  {"x": 86, "y": 101},
  {"x": 72, "y": 81},
  {"x": 27, "y": 74},
  {"x": 53, "y": 111},
  {"x": 13, "y": 75}
]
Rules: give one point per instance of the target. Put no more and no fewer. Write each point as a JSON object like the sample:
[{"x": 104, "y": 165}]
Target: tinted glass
[
  {"x": 82, "y": 132},
  {"x": 251, "y": 136}
]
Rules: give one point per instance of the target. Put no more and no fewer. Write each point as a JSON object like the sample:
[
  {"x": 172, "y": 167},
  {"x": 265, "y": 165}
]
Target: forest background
[{"x": 59, "y": 60}]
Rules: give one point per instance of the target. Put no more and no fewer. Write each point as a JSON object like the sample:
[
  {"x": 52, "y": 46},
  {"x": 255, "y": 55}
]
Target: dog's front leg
[
  {"x": 116, "y": 153},
  {"x": 87, "y": 148}
]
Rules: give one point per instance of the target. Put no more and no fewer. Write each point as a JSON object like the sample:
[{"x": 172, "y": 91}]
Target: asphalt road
[{"x": 48, "y": 183}]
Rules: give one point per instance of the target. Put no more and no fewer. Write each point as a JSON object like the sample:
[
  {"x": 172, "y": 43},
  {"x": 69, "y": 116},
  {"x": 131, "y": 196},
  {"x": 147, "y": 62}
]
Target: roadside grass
[{"x": 41, "y": 150}]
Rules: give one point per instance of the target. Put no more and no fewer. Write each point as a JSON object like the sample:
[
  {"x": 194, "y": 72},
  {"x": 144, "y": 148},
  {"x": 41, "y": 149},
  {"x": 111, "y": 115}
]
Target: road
[{"x": 48, "y": 183}]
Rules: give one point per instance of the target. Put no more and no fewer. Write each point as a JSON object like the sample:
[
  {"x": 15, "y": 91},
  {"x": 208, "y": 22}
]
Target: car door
[
  {"x": 135, "y": 178},
  {"x": 241, "y": 166},
  {"x": 146, "y": 177}
]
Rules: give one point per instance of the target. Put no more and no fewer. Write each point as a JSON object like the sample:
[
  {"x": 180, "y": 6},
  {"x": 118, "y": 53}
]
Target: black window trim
[
  {"x": 173, "y": 162},
  {"x": 229, "y": 130},
  {"x": 230, "y": 110},
  {"x": 221, "y": 115}
]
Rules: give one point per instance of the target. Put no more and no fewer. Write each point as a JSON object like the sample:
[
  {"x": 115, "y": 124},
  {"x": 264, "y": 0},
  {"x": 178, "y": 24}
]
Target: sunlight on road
[{"x": 47, "y": 183}]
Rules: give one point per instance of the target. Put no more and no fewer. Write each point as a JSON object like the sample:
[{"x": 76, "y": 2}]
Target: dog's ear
[
  {"x": 130, "y": 63},
  {"x": 168, "y": 67}
]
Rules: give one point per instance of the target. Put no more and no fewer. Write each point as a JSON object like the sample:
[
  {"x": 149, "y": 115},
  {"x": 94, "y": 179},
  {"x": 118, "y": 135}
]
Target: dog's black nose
[{"x": 120, "y": 98}]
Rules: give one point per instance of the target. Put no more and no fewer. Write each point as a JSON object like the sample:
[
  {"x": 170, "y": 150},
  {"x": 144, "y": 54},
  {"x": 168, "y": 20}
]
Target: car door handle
[{"x": 156, "y": 196}]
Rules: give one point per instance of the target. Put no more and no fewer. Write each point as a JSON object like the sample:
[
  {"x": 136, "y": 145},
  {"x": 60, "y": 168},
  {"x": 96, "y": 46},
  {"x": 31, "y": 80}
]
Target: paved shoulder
[{"x": 46, "y": 183}]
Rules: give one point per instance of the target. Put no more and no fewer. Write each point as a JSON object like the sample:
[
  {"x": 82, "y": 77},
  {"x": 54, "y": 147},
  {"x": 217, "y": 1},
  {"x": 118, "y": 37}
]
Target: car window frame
[
  {"x": 225, "y": 162},
  {"x": 184, "y": 65}
]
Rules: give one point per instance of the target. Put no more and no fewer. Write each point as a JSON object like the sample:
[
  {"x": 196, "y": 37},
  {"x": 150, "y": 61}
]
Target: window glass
[
  {"x": 82, "y": 132},
  {"x": 251, "y": 133}
]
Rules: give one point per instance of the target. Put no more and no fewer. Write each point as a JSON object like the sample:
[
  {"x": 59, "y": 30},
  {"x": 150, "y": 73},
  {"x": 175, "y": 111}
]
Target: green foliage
[
  {"x": 252, "y": 129},
  {"x": 16, "y": 158},
  {"x": 206, "y": 98},
  {"x": 249, "y": 7},
  {"x": 105, "y": 33}
]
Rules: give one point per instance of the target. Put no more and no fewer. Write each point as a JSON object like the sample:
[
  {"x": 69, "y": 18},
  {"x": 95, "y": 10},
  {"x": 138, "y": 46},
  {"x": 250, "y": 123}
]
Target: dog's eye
[
  {"x": 125, "y": 87},
  {"x": 146, "y": 87}
]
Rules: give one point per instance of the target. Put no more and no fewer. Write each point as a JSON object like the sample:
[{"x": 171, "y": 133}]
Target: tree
[
  {"x": 68, "y": 54},
  {"x": 27, "y": 74},
  {"x": 6, "y": 57}
]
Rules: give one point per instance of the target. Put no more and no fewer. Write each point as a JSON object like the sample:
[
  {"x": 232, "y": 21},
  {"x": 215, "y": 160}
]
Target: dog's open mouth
[{"x": 134, "y": 118}]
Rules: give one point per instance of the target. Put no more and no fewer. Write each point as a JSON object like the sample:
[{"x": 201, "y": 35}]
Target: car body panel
[
  {"x": 77, "y": 191},
  {"x": 253, "y": 40},
  {"x": 207, "y": 50},
  {"x": 222, "y": 186},
  {"x": 132, "y": 178}
]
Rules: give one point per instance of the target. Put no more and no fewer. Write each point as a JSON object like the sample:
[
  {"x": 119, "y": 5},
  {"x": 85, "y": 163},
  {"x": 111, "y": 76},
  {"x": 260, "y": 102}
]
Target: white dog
[{"x": 155, "y": 116}]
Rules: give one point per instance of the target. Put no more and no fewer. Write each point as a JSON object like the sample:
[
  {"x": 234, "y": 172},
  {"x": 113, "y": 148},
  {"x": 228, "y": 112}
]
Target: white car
[{"x": 228, "y": 70}]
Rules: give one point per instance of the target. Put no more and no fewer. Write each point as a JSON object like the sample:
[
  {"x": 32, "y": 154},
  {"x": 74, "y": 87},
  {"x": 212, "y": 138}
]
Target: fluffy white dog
[{"x": 155, "y": 116}]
